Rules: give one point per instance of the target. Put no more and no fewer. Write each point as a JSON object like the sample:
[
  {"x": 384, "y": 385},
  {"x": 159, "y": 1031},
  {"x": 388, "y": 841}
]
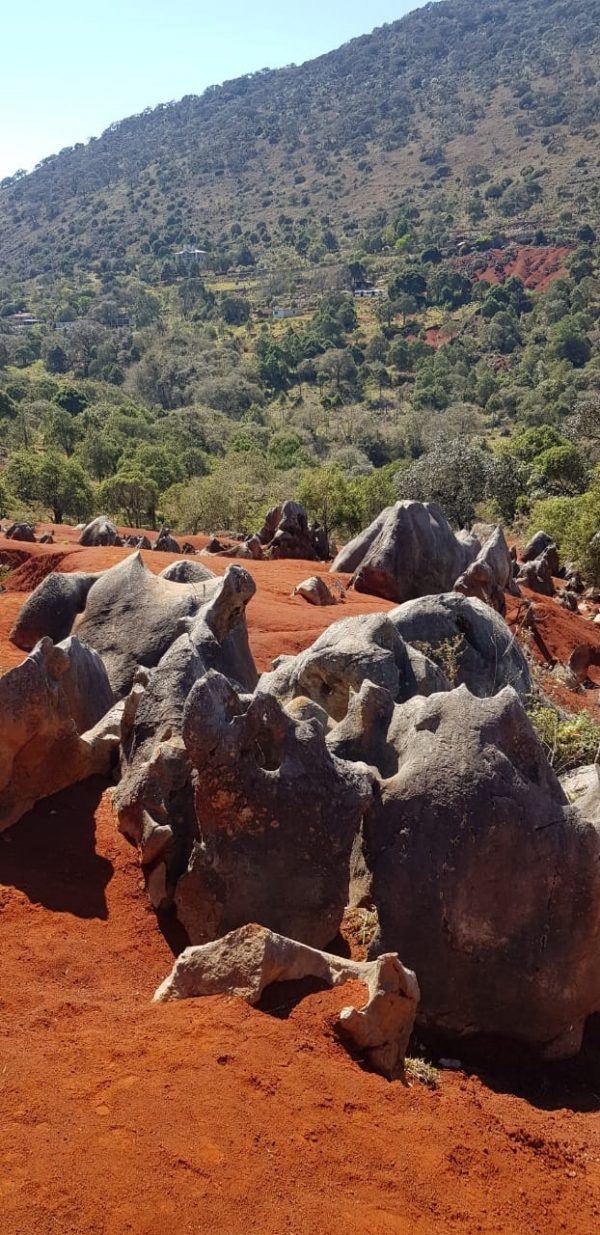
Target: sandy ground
[{"x": 119, "y": 1116}]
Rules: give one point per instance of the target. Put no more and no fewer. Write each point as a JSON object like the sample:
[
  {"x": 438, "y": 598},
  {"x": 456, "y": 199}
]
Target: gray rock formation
[
  {"x": 415, "y": 553},
  {"x": 20, "y": 531},
  {"x": 154, "y": 799},
  {"x": 47, "y": 705},
  {"x": 352, "y": 554},
  {"x": 278, "y": 816},
  {"x": 347, "y": 653},
  {"x": 536, "y": 574},
  {"x": 52, "y": 608},
  {"x": 286, "y": 533},
  {"x": 467, "y": 636},
  {"x": 491, "y": 574},
  {"x": 246, "y": 961},
  {"x": 165, "y": 543},
  {"x": 100, "y": 532},
  {"x": 484, "y": 878},
  {"x": 539, "y": 544},
  {"x": 315, "y": 591},
  {"x": 185, "y": 571}
]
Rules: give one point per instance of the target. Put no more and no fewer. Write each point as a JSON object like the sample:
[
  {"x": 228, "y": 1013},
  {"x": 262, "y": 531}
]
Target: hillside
[{"x": 477, "y": 115}]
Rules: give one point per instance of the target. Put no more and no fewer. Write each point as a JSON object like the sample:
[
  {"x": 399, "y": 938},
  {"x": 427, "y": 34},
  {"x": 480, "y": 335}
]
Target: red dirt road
[{"x": 119, "y": 1117}]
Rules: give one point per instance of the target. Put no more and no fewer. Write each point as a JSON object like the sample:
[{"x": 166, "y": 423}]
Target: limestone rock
[
  {"x": 491, "y": 574},
  {"x": 154, "y": 799},
  {"x": 345, "y": 655},
  {"x": 246, "y": 961},
  {"x": 415, "y": 553},
  {"x": 536, "y": 574},
  {"x": 52, "y": 608},
  {"x": 185, "y": 571},
  {"x": 165, "y": 543},
  {"x": 278, "y": 816},
  {"x": 315, "y": 591},
  {"x": 45, "y": 704},
  {"x": 474, "y": 855},
  {"x": 20, "y": 531},
  {"x": 100, "y": 532},
  {"x": 454, "y": 629},
  {"x": 539, "y": 544}
]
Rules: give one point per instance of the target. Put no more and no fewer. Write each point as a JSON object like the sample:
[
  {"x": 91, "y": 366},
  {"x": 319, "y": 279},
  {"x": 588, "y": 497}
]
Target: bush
[{"x": 569, "y": 743}]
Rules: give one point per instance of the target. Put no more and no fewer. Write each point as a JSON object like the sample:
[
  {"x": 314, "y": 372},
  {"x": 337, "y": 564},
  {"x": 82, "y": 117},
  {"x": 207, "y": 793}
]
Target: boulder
[
  {"x": 46, "y": 539},
  {"x": 474, "y": 854},
  {"x": 491, "y": 574},
  {"x": 154, "y": 800},
  {"x": 346, "y": 654},
  {"x": 20, "y": 531},
  {"x": 278, "y": 817},
  {"x": 352, "y": 554},
  {"x": 131, "y": 617},
  {"x": 187, "y": 572},
  {"x": 539, "y": 544},
  {"x": 286, "y": 533},
  {"x": 48, "y": 705},
  {"x": 415, "y": 553},
  {"x": 165, "y": 543},
  {"x": 100, "y": 532},
  {"x": 315, "y": 591},
  {"x": 52, "y": 608},
  {"x": 214, "y": 545},
  {"x": 137, "y": 542},
  {"x": 247, "y": 961},
  {"x": 536, "y": 575},
  {"x": 468, "y": 639}
]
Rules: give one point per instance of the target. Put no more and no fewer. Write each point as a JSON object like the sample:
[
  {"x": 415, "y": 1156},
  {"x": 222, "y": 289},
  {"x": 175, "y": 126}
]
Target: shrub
[{"x": 568, "y": 743}]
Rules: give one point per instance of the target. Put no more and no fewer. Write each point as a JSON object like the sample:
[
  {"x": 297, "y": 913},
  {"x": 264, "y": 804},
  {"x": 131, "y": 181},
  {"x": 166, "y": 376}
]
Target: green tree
[
  {"x": 131, "y": 493},
  {"x": 62, "y": 485}
]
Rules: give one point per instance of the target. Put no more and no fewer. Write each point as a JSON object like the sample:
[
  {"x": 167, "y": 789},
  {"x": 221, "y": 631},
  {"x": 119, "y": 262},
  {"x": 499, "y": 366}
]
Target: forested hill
[{"x": 482, "y": 113}]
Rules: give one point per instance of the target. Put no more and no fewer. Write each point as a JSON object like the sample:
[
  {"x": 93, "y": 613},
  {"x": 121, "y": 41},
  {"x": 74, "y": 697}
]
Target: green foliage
[{"x": 569, "y": 742}]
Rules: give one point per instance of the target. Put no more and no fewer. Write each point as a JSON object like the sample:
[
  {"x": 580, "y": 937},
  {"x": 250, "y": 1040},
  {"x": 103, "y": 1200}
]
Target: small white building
[
  {"x": 367, "y": 293},
  {"x": 189, "y": 255},
  {"x": 280, "y": 313}
]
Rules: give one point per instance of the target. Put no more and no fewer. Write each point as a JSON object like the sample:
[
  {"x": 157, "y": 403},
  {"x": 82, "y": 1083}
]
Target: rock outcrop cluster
[{"x": 391, "y": 764}]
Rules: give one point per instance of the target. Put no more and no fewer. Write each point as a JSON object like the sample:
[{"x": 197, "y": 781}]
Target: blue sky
[{"x": 71, "y": 68}]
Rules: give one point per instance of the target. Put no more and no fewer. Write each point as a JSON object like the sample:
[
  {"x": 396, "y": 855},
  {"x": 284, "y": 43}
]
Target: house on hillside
[
  {"x": 365, "y": 292},
  {"x": 189, "y": 255},
  {"x": 22, "y": 320},
  {"x": 280, "y": 313}
]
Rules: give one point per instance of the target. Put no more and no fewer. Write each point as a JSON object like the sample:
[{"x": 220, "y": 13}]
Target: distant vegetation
[{"x": 407, "y": 357}]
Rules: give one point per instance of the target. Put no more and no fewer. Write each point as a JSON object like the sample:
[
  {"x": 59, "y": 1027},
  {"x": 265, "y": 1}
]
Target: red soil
[
  {"x": 537, "y": 267},
  {"x": 120, "y": 1116}
]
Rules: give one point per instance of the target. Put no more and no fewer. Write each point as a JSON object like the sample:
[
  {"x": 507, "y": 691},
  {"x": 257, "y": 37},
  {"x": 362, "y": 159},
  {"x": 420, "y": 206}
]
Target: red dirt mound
[{"x": 536, "y": 267}]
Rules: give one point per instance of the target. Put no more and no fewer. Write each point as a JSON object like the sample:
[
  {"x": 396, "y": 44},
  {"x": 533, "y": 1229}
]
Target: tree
[
  {"x": 56, "y": 359},
  {"x": 453, "y": 474},
  {"x": 328, "y": 500},
  {"x": 337, "y": 366},
  {"x": 570, "y": 343},
  {"x": 235, "y": 310},
  {"x": 63, "y": 485},
  {"x": 132, "y": 494}
]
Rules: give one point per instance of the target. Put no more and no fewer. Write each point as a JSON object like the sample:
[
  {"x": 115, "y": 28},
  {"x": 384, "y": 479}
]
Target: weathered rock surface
[
  {"x": 165, "y": 543},
  {"x": 278, "y": 816},
  {"x": 536, "y": 574},
  {"x": 154, "y": 797},
  {"x": 346, "y": 654},
  {"x": 20, "y": 531},
  {"x": 352, "y": 554},
  {"x": 474, "y": 855},
  {"x": 187, "y": 572},
  {"x": 246, "y": 961},
  {"x": 467, "y": 634},
  {"x": 539, "y": 544},
  {"x": 315, "y": 591},
  {"x": 286, "y": 533},
  {"x": 491, "y": 574},
  {"x": 100, "y": 532},
  {"x": 415, "y": 553},
  {"x": 47, "y": 705},
  {"x": 52, "y": 608}
]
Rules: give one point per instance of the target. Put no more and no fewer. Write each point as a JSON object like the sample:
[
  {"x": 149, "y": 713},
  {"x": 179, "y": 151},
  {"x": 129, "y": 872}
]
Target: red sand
[{"x": 124, "y": 1118}]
